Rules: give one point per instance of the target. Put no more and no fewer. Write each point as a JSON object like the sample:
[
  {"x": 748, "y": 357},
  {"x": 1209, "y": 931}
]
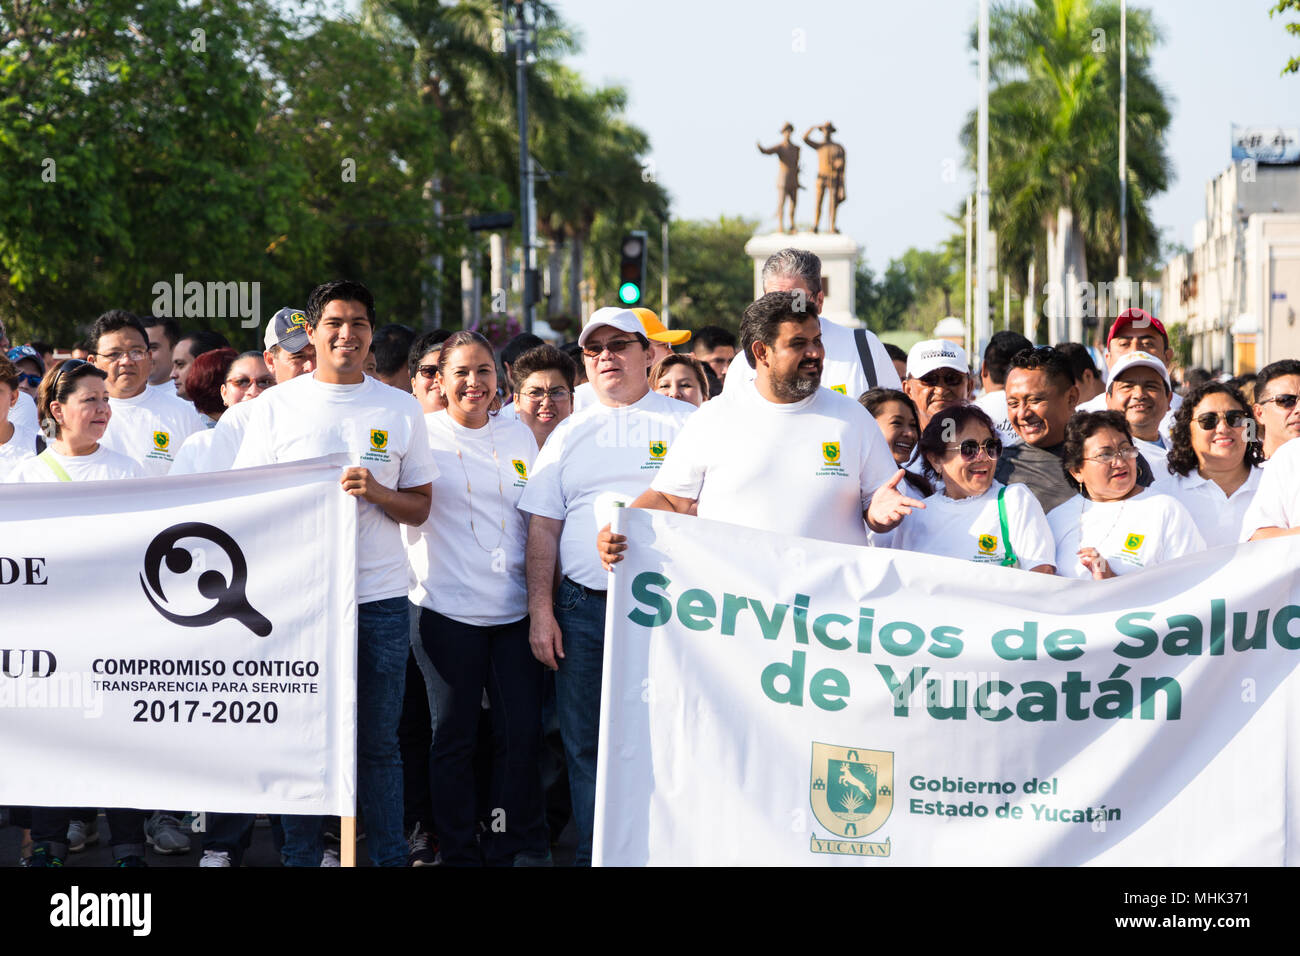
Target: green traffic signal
[{"x": 629, "y": 293}]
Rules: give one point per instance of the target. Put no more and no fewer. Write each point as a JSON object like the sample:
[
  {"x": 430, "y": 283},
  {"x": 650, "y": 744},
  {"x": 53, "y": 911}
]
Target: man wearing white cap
[
  {"x": 660, "y": 340},
  {"x": 1139, "y": 389},
  {"x": 937, "y": 377},
  {"x": 606, "y": 453}
]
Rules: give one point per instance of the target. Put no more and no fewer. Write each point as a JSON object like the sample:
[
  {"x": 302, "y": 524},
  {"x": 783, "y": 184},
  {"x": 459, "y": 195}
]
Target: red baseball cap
[{"x": 1140, "y": 317}]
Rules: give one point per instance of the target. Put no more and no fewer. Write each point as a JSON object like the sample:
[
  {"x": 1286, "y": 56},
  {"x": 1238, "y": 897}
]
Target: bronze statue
[
  {"x": 787, "y": 180},
  {"x": 830, "y": 171}
]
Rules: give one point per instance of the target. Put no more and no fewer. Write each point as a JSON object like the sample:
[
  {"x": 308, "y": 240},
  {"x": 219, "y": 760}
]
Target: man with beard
[{"x": 787, "y": 439}]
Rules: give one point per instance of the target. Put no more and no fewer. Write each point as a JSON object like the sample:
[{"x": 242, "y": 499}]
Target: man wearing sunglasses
[
  {"x": 1276, "y": 409},
  {"x": 605, "y": 453},
  {"x": 31, "y": 368},
  {"x": 937, "y": 377},
  {"x": 1139, "y": 389}
]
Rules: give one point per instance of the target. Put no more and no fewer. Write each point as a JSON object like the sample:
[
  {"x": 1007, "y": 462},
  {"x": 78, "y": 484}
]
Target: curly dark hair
[
  {"x": 950, "y": 421},
  {"x": 1081, "y": 427},
  {"x": 1182, "y": 459}
]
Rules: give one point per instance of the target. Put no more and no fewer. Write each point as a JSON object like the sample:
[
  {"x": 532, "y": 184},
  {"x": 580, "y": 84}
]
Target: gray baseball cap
[{"x": 288, "y": 329}]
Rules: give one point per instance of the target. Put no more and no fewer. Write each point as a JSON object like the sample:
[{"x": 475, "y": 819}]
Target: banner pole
[{"x": 347, "y": 841}]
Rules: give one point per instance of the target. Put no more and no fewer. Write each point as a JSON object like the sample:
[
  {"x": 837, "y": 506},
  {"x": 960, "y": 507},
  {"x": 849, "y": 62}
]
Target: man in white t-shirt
[
  {"x": 148, "y": 426},
  {"x": 818, "y": 457},
  {"x": 338, "y": 408},
  {"x": 1136, "y": 330},
  {"x": 797, "y": 270},
  {"x": 1139, "y": 390},
  {"x": 164, "y": 334},
  {"x": 1002, "y": 347},
  {"x": 938, "y": 377},
  {"x": 1275, "y": 511},
  {"x": 606, "y": 453}
]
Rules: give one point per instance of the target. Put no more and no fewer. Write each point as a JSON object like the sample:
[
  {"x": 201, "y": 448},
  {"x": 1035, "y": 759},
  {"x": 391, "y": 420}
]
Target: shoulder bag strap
[
  {"x": 864, "y": 353},
  {"x": 1010, "y": 561},
  {"x": 54, "y": 466}
]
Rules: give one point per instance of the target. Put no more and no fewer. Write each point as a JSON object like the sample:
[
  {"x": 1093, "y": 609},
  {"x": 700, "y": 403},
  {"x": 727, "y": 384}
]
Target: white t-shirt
[
  {"x": 151, "y": 427},
  {"x": 23, "y": 415},
  {"x": 100, "y": 465},
  {"x": 1157, "y": 456},
  {"x": 1277, "y": 500},
  {"x": 808, "y": 468},
  {"x": 379, "y": 427},
  {"x": 167, "y": 388},
  {"x": 474, "y": 575},
  {"x": 995, "y": 406},
  {"x": 192, "y": 454},
  {"x": 509, "y": 413},
  {"x": 22, "y": 445},
  {"x": 841, "y": 369},
  {"x": 886, "y": 539},
  {"x": 1132, "y": 534},
  {"x": 584, "y": 396},
  {"x": 1098, "y": 404},
  {"x": 593, "y": 459},
  {"x": 1218, "y": 517},
  {"x": 970, "y": 529},
  {"x": 217, "y": 451}
]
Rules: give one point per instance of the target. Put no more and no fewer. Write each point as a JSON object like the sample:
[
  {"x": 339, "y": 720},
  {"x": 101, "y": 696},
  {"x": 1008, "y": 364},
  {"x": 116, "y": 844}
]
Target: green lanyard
[
  {"x": 54, "y": 466},
  {"x": 1010, "y": 561}
]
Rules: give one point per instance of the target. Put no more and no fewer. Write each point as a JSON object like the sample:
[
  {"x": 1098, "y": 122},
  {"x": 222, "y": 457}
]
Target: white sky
[{"x": 708, "y": 77}]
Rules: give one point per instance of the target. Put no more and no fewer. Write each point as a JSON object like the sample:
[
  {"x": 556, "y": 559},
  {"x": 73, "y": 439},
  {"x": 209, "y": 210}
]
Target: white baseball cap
[
  {"x": 1137, "y": 360},
  {"x": 925, "y": 357},
  {"x": 624, "y": 320}
]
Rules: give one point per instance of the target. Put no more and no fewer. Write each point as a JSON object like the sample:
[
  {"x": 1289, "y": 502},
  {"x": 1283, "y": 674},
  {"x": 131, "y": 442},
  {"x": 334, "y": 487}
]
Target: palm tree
[{"x": 1054, "y": 135}]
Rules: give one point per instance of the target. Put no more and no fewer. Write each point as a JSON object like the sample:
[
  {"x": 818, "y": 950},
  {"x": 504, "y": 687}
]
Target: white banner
[
  {"x": 187, "y": 643},
  {"x": 771, "y": 700}
]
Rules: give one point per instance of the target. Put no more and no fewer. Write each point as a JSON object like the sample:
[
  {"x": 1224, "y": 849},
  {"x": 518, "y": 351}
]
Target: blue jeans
[
  {"x": 581, "y": 616},
  {"x": 383, "y": 642},
  {"x": 464, "y": 660}
]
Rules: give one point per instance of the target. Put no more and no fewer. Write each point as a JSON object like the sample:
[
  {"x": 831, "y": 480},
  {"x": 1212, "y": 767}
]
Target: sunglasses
[
  {"x": 32, "y": 380},
  {"x": 244, "y": 381},
  {"x": 1210, "y": 420},
  {"x": 1284, "y": 402},
  {"x": 427, "y": 371},
  {"x": 948, "y": 379},
  {"x": 616, "y": 347},
  {"x": 970, "y": 449}
]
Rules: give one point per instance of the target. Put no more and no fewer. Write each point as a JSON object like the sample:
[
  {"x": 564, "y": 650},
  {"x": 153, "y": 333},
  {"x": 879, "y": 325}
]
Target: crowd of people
[{"x": 484, "y": 513}]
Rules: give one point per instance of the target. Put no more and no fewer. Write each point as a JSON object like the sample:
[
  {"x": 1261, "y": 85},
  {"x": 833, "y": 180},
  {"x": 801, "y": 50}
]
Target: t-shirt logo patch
[
  {"x": 831, "y": 452},
  {"x": 988, "y": 543},
  {"x": 658, "y": 449},
  {"x": 1133, "y": 543},
  {"x": 520, "y": 468},
  {"x": 378, "y": 439},
  {"x": 842, "y": 389},
  {"x": 161, "y": 440}
]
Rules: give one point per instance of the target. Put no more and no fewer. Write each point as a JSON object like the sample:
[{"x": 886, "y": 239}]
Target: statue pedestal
[{"x": 839, "y": 256}]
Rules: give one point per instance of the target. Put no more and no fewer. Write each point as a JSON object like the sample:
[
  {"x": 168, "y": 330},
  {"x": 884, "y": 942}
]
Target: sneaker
[
  {"x": 129, "y": 862},
  {"x": 331, "y": 858},
  {"x": 41, "y": 857},
  {"x": 422, "y": 848},
  {"x": 82, "y": 834},
  {"x": 163, "y": 832},
  {"x": 215, "y": 858}
]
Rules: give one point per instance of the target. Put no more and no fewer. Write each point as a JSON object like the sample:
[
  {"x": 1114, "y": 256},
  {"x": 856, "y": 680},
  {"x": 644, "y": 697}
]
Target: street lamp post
[{"x": 526, "y": 225}]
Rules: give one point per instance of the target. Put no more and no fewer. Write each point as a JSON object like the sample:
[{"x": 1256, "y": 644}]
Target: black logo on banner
[{"x": 230, "y": 597}]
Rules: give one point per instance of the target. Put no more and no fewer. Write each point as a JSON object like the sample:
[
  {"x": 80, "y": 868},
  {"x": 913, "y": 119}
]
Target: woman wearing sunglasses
[
  {"x": 973, "y": 517},
  {"x": 73, "y": 406},
  {"x": 1115, "y": 526},
  {"x": 1213, "y": 464}
]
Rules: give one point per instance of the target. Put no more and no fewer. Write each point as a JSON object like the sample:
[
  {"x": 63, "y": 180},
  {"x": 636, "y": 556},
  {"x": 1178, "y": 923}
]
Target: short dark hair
[
  {"x": 521, "y": 343},
  {"x": 348, "y": 290},
  {"x": 998, "y": 353},
  {"x": 1046, "y": 359},
  {"x": 895, "y": 353},
  {"x": 204, "y": 378},
  {"x": 542, "y": 358},
  {"x": 1080, "y": 359},
  {"x": 1081, "y": 427},
  {"x": 763, "y": 318},
  {"x": 42, "y": 348},
  {"x": 392, "y": 347},
  {"x": 170, "y": 327},
  {"x": 204, "y": 341},
  {"x": 1182, "y": 459},
  {"x": 424, "y": 343},
  {"x": 58, "y": 385},
  {"x": 934, "y": 439},
  {"x": 114, "y": 320},
  {"x": 1274, "y": 370},
  {"x": 1196, "y": 376},
  {"x": 709, "y": 337}
]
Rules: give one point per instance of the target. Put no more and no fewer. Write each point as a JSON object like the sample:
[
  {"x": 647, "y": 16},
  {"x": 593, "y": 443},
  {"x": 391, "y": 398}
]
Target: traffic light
[{"x": 631, "y": 271}]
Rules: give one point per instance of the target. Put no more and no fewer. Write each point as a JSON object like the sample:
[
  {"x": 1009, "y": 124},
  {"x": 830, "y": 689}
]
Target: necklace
[{"x": 501, "y": 495}]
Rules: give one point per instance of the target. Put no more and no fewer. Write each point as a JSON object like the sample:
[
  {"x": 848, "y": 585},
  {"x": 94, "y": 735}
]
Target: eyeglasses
[
  {"x": 1284, "y": 402},
  {"x": 243, "y": 381},
  {"x": 557, "y": 394},
  {"x": 1126, "y": 453},
  {"x": 428, "y": 371},
  {"x": 946, "y": 379},
  {"x": 615, "y": 346},
  {"x": 135, "y": 355},
  {"x": 1210, "y": 420},
  {"x": 970, "y": 449},
  {"x": 32, "y": 380}
]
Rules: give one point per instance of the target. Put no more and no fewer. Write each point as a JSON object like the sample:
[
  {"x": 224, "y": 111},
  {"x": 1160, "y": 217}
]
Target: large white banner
[
  {"x": 187, "y": 642},
  {"x": 776, "y": 700}
]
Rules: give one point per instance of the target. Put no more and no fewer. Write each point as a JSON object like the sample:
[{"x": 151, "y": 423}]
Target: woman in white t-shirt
[
  {"x": 467, "y": 564},
  {"x": 895, "y": 413},
  {"x": 73, "y": 402},
  {"x": 974, "y": 518},
  {"x": 1213, "y": 464},
  {"x": 1115, "y": 526}
]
